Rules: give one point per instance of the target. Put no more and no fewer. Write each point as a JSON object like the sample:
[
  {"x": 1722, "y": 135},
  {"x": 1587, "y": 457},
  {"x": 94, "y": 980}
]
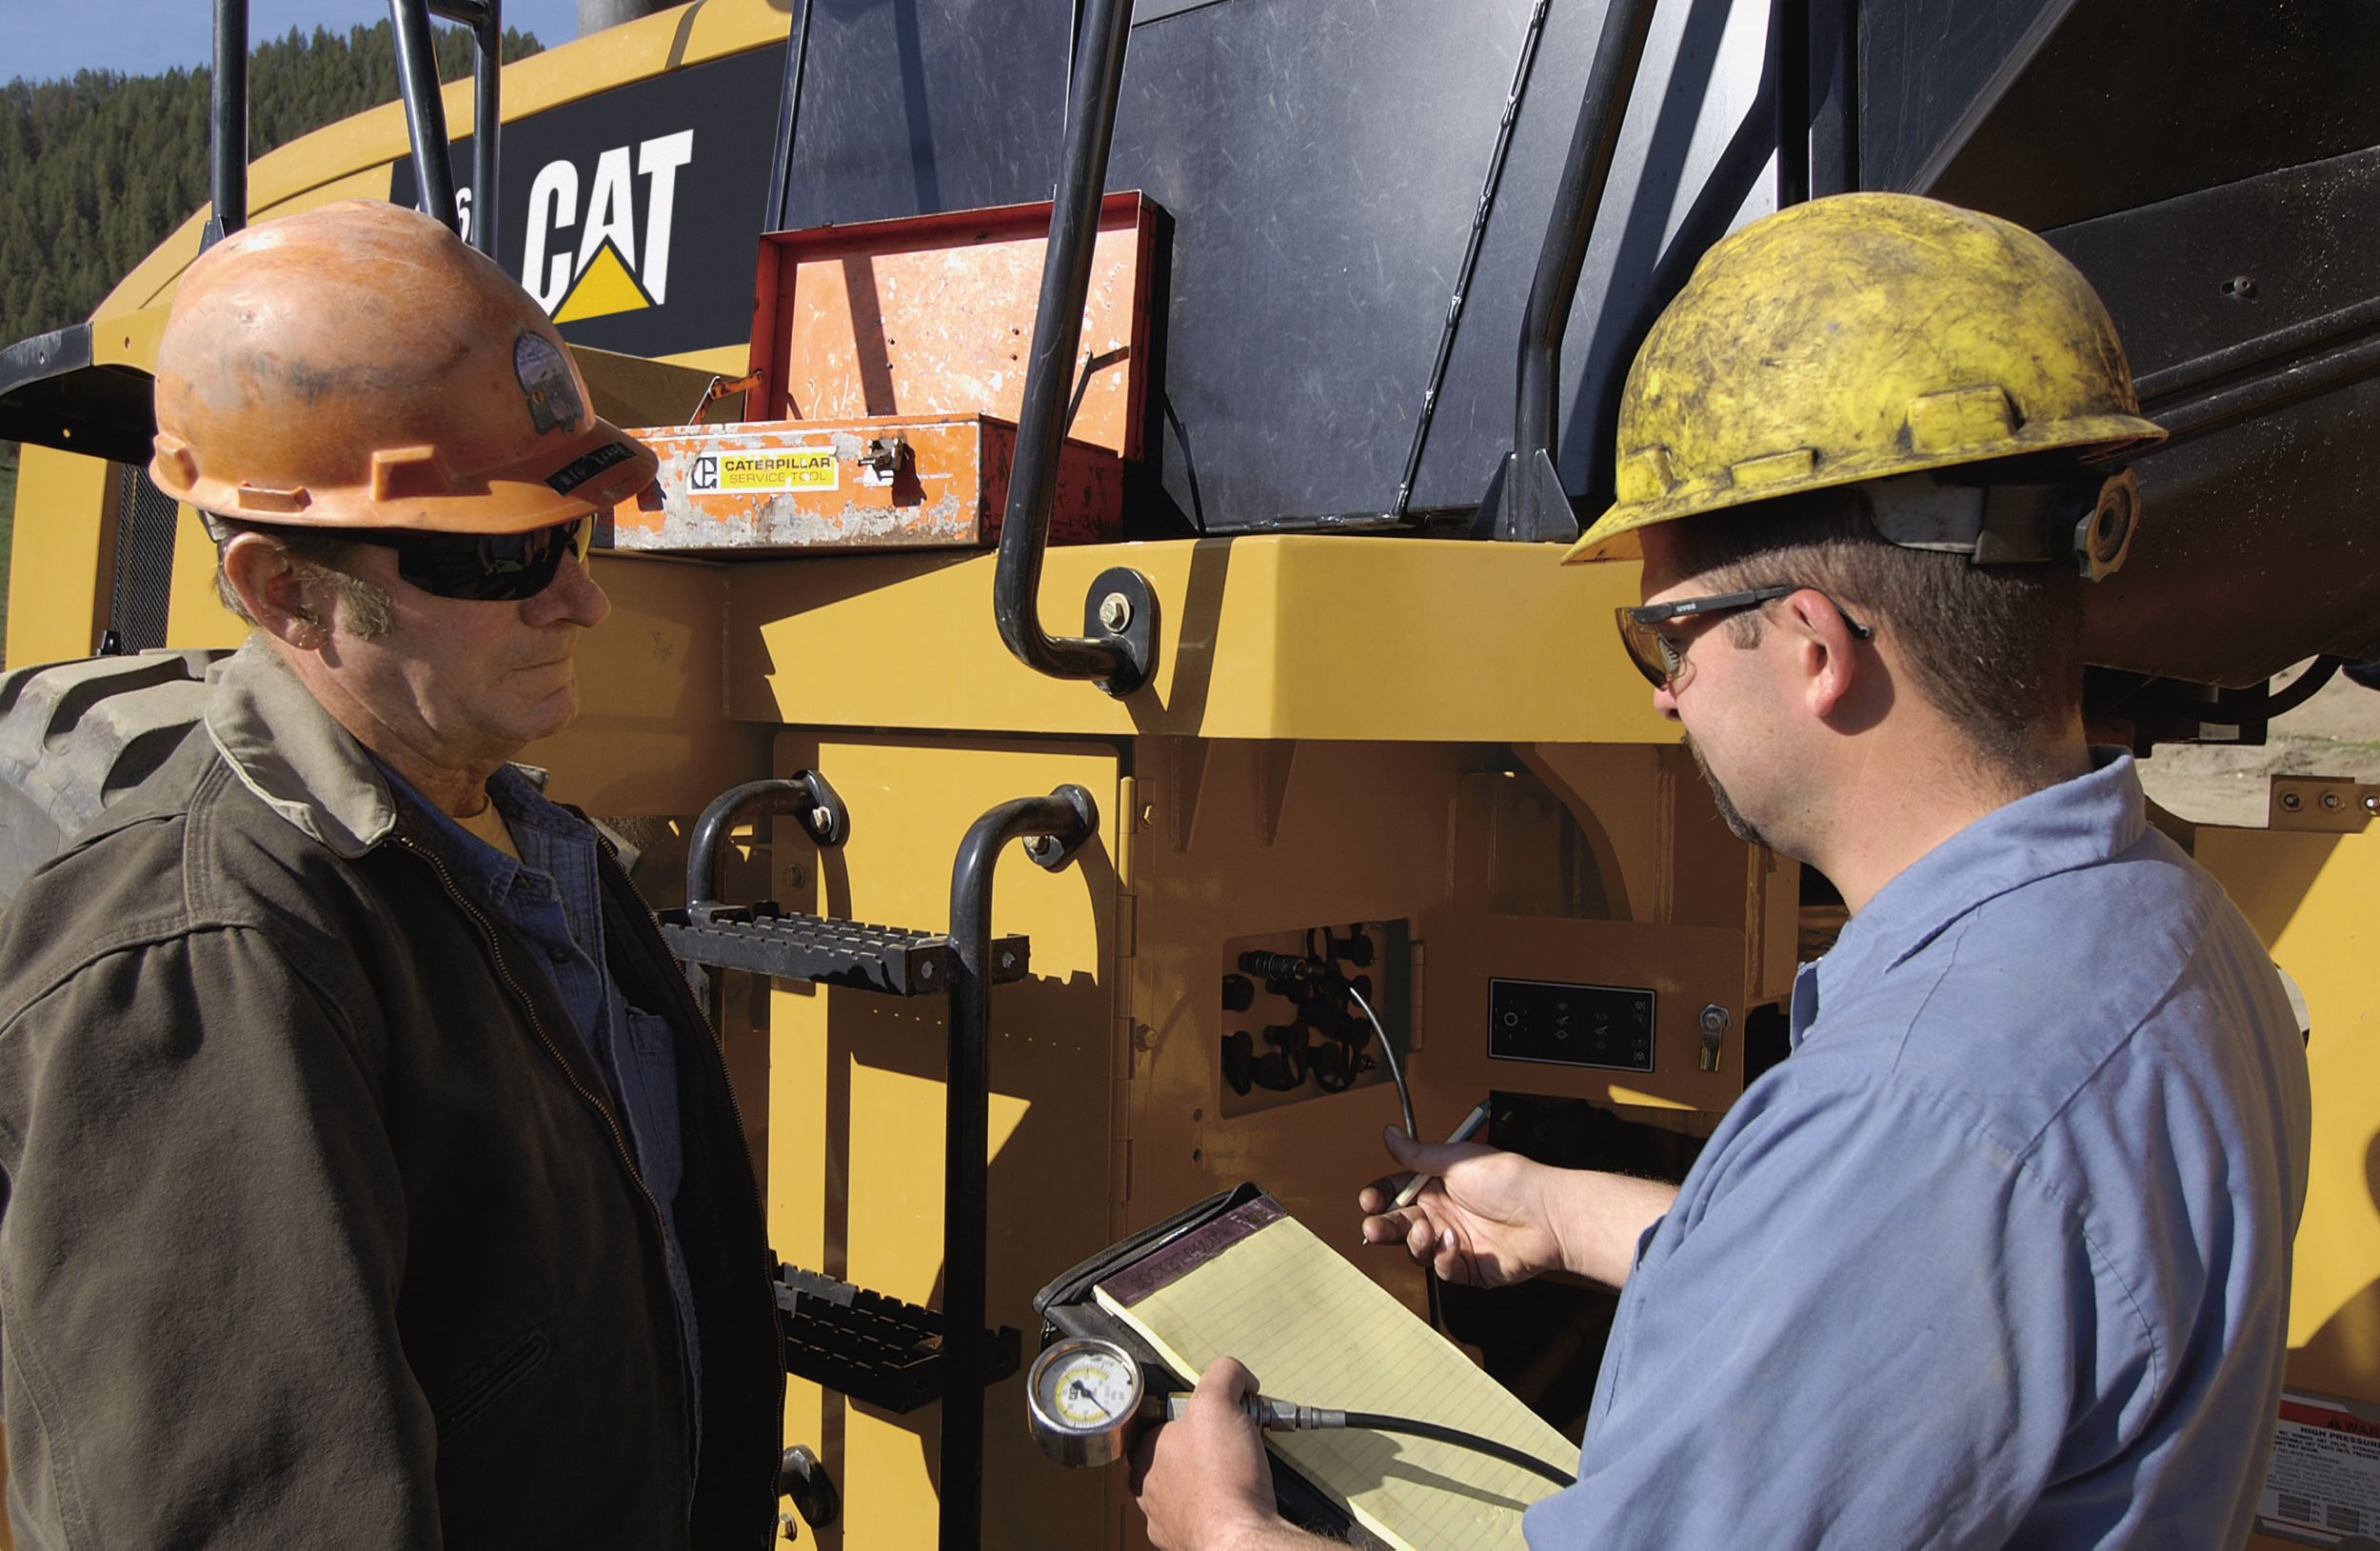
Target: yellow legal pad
[{"x": 1255, "y": 1284}]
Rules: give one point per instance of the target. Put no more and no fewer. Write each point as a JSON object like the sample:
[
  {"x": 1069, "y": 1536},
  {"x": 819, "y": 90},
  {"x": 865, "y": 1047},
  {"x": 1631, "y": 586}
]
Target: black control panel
[{"x": 1571, "y": 1026}]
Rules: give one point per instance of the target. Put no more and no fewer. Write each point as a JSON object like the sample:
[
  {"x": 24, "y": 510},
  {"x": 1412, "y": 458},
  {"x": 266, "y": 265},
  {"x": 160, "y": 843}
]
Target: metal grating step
[
  {"x": 875, "y": 1349},
  {"x": 764, "y": 941}
]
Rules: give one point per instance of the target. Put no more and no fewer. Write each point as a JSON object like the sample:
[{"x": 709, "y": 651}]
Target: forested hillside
[{"x": 97, "y": 170}]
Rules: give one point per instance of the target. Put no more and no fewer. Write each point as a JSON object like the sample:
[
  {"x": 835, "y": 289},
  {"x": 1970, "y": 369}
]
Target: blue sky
[{"x": 44, "y": 39}]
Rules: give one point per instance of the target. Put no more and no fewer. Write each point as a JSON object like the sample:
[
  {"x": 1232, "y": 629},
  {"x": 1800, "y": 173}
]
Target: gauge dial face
[
  {"x": 1088, "y": 1386},
  {"x": 1082, "y": 1400}
]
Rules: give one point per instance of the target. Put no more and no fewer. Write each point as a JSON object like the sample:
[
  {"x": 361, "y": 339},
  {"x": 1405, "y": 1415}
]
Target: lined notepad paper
[{"x": 1255, "y": 1284}]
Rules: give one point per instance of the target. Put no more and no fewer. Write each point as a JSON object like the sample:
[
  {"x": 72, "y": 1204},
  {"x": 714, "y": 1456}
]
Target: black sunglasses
[
  {"x": 1663, "y": 661},
  {"x": 481, "y": 567}
]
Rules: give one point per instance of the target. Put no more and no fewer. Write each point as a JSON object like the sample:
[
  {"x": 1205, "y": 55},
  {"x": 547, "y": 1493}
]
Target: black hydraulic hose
[
  {"x": 1374, "y": 1421},
  {"x": 1287, "y": 1416},
  {"x": 1049, "y": 369},
  {"x": 2257, "y": 376},
  {"x": 227, "y": 147}
]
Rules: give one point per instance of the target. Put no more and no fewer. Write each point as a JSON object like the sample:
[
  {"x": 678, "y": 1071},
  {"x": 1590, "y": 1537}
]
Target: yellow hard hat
[
  {"x": 1861, "y": 337},
  {"x": 358, "y": 365}
]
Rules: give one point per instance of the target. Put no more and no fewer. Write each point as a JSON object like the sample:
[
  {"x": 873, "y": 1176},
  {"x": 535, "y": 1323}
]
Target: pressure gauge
[{"x": 1082, "y": 1399}]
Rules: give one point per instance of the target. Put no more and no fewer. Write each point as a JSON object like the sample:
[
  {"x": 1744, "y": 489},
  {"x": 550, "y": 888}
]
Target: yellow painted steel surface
[
  {"x": 2310, "y": 896},
  {"x": 194, "y": 612},
  {"x": 1260, "y": 637},
  {"x": 650, "y": 737},
  {"x": 856, "y": 1106},
  {"x": 57, "y": 602}
]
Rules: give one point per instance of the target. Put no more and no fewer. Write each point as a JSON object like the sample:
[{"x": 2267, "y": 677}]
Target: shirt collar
[
  {"x": 2076, "y": 824},
  {"x": 516, "y": 791}
]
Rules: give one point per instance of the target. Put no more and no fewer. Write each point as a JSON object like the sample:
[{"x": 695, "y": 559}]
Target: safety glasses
[
  {"x": 481, "y": 567},
  {"x": 1662, "y": 661}
]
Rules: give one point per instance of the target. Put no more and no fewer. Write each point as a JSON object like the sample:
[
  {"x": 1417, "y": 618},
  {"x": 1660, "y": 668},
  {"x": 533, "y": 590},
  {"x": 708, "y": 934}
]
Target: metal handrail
[
  {"x": 226, "y": 145},
  {"x": 1049, "y": 375},
  {"x": 485, "y": 20},
  {"x": 806, "y": 794},
  {"x": 1527, "y": 502},
  {"x": 426, "y": 109},
  {"x": 1069, "y": 818}
]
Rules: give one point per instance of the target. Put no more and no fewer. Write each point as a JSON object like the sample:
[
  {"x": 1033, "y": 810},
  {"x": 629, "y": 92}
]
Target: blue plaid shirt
[{"x": 551, "y": 899}]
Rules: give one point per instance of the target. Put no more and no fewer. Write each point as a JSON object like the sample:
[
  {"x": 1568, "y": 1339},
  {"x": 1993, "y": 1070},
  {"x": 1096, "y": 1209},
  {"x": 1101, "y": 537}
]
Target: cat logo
[{"x": 611, "y": 253}]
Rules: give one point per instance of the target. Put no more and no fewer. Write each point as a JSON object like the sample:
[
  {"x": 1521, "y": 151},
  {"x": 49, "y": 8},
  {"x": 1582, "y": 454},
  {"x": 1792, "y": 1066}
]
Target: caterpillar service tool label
[
  {"x": 2324, "y": 1485},
  {"x": 763, "y": 473}
]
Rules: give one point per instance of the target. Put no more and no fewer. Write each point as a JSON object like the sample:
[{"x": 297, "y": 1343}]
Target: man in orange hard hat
[
  {"x": 2000, "y": 1255},
  {"x": 373, "y": 1179}
]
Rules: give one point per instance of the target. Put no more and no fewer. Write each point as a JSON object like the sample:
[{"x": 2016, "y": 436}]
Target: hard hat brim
[
  {"x": 590, "y": 472},
  {"x": 1613, "y": 535}
]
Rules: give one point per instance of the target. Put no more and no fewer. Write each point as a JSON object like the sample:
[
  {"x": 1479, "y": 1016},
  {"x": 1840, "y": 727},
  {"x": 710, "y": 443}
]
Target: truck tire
[{"x": 74, "y": 736}]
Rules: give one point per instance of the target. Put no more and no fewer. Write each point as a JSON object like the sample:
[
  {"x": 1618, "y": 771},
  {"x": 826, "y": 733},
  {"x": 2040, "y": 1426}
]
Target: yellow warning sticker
[{"x": 761, "y": 473}]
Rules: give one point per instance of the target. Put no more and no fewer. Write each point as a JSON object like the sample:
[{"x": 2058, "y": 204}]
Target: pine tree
[{"x": 96, "y": 171}]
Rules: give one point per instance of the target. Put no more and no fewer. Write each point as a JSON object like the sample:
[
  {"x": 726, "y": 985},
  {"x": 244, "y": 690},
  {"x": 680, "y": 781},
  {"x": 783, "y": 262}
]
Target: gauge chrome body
[{"x": 1082, "y": 1398}]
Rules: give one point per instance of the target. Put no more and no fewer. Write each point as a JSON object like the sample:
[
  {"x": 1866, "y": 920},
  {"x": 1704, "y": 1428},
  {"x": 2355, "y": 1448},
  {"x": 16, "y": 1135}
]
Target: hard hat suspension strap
[{"x": 2086, "y": 520}]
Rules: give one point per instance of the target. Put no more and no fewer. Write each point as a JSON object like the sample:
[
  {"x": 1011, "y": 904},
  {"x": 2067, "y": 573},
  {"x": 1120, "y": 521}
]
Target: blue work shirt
[
  {"x": 2000, "y": 1255},
  {"x": 552, "y": 899}
]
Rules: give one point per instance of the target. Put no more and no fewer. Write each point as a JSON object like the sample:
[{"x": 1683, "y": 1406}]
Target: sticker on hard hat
[
  {"x": 547, "y": 379},
  {"x": 580, "y": 470},
  {"x": 760, "y": 473}
]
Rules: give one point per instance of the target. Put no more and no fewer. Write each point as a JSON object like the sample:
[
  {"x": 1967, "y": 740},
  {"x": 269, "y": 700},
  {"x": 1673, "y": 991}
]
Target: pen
[{"x": 1469, "y": 1128}]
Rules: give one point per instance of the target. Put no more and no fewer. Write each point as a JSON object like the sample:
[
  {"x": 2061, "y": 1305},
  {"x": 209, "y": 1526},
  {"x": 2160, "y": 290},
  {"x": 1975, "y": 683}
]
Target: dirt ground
[{"x": 2336, "y": 733}]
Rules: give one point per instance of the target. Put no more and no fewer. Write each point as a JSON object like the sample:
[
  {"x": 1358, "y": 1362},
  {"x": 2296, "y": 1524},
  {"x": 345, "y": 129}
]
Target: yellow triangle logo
[{"x": 604, "y": 287}]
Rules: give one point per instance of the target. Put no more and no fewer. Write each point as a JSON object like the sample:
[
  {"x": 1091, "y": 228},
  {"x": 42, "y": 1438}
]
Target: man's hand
[
  {"x": 1489, "y": 1219},
  {"x": 1204, "y": 1481},
  {"x": 1481, "y": 1222}
]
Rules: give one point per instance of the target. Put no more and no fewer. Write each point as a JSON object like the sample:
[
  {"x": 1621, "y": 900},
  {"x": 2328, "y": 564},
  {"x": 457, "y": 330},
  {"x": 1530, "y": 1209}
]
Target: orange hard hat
[{"x": 358, "y": 365}]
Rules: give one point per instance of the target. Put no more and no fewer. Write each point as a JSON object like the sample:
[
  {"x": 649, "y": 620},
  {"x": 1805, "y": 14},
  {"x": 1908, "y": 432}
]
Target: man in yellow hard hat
[
  {"x": 2000, "y": 1256},
  {"x": 372, "y": 1178}
]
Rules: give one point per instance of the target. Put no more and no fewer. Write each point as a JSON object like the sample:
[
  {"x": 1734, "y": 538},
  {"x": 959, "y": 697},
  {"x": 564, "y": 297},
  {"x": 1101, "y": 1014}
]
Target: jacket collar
[{"x": 291, "y": 752}]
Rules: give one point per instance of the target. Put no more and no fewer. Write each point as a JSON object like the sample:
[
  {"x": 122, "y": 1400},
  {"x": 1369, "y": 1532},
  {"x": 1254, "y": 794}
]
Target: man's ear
[
  {"x": 276, "y": 591},
  {"x": 1826, "y": 651}
]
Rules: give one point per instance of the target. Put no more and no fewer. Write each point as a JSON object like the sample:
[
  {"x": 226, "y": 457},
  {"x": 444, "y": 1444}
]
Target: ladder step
[
  {"x": 765, "y": 940},
  {"x": 876, "y": 1349}
]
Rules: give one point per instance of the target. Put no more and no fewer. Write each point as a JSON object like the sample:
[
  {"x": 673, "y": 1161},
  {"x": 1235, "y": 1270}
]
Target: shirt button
[{"x": 558, "y": 955}]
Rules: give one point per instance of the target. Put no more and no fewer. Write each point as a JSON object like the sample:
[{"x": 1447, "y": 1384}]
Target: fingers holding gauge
[{"x": 1082, "y": 1399}]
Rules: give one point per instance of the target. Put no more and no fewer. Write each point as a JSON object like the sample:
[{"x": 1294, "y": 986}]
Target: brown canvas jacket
[{"x": 319, "y": 1229}]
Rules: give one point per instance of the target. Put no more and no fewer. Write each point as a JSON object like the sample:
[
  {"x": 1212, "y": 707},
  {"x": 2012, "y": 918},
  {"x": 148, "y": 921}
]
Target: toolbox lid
[{"x": 933, "y": 314}]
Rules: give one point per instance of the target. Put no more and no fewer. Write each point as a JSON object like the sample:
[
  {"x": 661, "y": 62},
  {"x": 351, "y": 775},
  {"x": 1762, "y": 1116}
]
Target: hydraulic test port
[{"x": 1301, "y": 1013}]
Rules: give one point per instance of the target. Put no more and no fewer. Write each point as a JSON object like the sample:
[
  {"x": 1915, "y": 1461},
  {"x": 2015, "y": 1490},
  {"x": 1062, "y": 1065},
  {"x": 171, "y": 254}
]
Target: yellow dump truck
[{"x": 1156, "y": 425}]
